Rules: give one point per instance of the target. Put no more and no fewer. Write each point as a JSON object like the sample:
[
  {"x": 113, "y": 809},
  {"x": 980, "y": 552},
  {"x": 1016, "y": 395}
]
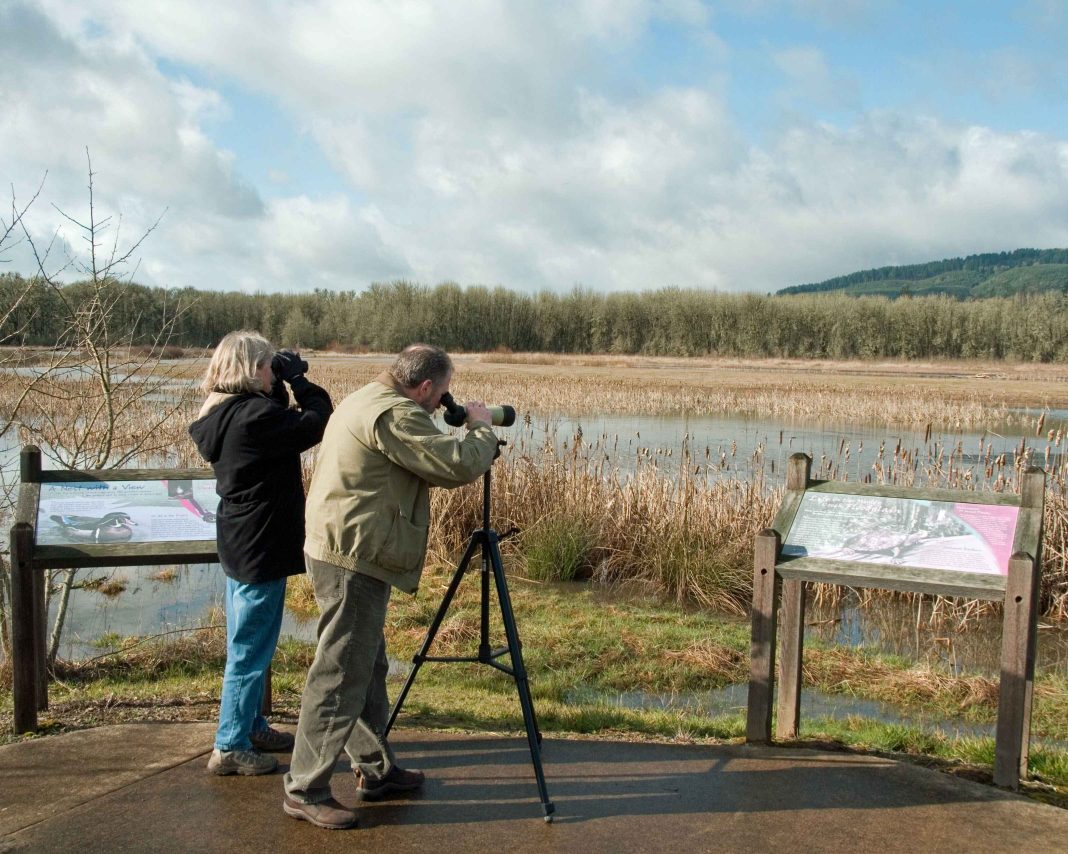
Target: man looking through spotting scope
[{"x": 368, "y": 516}]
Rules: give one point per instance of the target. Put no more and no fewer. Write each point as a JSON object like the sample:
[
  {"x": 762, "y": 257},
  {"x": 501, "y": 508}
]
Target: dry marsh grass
[
  {"x": 837, "y": 670},
  {"x": 952, "y": 395},
  {"x": 686, "y": 535}
]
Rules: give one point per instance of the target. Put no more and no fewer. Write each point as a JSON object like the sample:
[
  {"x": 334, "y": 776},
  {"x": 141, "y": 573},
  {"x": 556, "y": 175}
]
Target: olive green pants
[{"x": 344, "y": 706}]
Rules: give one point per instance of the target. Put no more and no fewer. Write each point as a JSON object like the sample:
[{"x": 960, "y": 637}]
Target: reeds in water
[{"x": 686, "y": 530}]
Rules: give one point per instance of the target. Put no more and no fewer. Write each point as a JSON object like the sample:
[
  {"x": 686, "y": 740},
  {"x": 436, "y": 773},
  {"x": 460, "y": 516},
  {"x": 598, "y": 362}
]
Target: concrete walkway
[{"x": 143, "y": 787}]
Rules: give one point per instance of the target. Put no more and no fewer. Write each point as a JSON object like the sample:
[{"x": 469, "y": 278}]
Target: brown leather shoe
[
  {"x": 397, "y": 780},
  {"x": 329, "y": 813}
]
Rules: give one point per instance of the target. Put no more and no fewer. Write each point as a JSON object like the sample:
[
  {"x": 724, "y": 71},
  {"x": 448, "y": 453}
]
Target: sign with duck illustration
[
  {"x": 904, "y": 531},
  {"x": 128, "y": 510}
]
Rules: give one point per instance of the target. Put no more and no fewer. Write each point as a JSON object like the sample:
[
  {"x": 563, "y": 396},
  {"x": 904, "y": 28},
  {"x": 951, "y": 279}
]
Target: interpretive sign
[
  {"x": 903, "y": 532},
  {"x": 127, "y": 510},
  {"x": 943, "y": 542},
  {"x": 74, "y": 519}
]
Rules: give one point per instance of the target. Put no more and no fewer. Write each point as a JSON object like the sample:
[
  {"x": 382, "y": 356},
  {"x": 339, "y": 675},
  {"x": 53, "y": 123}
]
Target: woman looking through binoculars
[{"x": 253, "y": 440}]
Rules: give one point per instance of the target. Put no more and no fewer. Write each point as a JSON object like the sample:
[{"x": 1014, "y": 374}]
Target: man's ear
[{"x": 424, "y": 388}]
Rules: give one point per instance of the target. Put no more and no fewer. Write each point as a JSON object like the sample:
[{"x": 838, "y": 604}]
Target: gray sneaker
[
  {"x": 271, "y": 740},
  {"x": 224, "y": 762}
]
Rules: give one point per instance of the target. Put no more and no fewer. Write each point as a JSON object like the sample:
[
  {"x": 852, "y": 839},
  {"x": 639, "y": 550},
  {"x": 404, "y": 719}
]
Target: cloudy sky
[{"x": 742, "y": 145}]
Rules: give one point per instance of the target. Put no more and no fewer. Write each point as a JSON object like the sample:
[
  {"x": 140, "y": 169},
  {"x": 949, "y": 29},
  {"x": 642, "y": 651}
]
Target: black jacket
[{"x": 253, "y": 442}]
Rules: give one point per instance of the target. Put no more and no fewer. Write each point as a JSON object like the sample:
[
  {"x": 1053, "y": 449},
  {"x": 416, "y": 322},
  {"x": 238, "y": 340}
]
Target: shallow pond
[
  {"x": 182, "y": 597},
  {"x": 753, "y": 448},
  {"x": 732, "y": 701},
  {"x": 191, "y": 596}
]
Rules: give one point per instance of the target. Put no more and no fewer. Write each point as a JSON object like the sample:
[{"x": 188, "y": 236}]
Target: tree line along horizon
[{"x": 664, "y": 322}]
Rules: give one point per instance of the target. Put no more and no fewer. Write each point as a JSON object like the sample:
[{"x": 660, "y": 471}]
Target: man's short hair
[{"x": 419, "y": 362}]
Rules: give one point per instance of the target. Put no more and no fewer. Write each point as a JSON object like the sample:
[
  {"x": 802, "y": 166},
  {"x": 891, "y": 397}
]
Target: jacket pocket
[{"x": 405, "y": 545}]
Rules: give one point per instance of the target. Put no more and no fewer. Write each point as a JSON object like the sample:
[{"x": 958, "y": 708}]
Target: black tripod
[{"x": 488, "y": 539}]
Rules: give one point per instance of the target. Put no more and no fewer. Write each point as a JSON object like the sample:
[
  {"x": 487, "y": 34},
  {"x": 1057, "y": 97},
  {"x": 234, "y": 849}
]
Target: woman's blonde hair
[{"x": 234, "y": 363}]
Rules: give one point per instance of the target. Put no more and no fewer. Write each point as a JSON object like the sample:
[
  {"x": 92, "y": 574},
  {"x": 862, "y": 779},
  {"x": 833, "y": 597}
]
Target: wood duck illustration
[{"x": 109, "y": 528}]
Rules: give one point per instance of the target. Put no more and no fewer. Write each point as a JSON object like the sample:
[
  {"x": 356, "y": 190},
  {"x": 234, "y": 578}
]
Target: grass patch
[
  {"x": 109, "y": 587},
  {"x": 557, "y": 549},
  {"x": 300, "y": 597}
]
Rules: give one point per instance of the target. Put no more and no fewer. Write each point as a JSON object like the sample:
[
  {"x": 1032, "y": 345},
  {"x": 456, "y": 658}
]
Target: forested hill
[{"x": 992, "y": 274}]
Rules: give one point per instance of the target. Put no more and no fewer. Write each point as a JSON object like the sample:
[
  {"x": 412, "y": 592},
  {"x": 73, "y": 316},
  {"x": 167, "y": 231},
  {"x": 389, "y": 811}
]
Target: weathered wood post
[
  {"x": 762, "y": 645},
  {"x": 30, "y": 465},
  {"x": 793, "y": 622},
  {"x": 38, "y": 580},
  {"x": 1018, "y": 639},
  {"x": 812, "y": 540},
  {"x": 30, "y": 473},
  {"x": 24, "y": 634}
]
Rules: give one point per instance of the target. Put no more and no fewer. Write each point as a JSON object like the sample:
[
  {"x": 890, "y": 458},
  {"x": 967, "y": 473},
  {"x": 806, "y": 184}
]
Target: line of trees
[{"x": 670, "y": 321}]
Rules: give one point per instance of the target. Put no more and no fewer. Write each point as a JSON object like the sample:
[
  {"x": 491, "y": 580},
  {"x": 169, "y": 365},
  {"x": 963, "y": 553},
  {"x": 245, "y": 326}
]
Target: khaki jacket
[{"x": 368, "y": 507}]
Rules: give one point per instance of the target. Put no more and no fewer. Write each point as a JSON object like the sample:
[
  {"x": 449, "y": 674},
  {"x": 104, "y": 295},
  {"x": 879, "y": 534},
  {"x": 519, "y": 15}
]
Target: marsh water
[{"x": 759, "y": 448}]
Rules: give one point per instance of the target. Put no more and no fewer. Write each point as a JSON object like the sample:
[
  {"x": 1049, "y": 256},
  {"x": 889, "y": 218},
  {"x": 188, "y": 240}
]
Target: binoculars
[
  {"x": 455, "y": 414},
  {"x": 286, "y": 363}
]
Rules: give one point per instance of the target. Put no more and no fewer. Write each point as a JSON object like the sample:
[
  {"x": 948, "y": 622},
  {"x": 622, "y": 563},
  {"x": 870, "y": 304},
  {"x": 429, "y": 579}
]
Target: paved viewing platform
[{"x": 144, "y": 787}]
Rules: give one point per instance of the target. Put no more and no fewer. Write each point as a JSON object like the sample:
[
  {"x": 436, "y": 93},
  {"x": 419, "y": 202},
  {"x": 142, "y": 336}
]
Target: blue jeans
[{"x": 253, "y": 621}]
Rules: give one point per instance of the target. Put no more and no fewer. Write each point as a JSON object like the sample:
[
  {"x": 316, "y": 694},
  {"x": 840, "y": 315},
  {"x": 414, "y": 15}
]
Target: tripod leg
[
  {"x": 417, "y": 661},
  {"x": 485, "y": 651},
  {"x": 519, "y": 673}
]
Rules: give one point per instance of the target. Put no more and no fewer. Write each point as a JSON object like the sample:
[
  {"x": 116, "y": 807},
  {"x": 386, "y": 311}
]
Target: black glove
[
  {"x": 278, "y": 391},
  {"x": 287, "y": 365}
]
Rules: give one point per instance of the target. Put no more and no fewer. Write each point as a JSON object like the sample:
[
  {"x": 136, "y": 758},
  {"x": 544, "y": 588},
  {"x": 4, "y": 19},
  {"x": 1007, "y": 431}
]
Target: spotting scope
[{"x": 455, "y": 414}]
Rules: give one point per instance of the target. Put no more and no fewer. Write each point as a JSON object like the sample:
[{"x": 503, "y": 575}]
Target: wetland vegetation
[{"x": 674, "y": 522}]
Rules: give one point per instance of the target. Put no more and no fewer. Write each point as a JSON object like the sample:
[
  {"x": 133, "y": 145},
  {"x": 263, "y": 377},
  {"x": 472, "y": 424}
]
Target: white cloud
[
  {"x": 906, "y": 190},
  {"x": 841, "y": 12},
  {"x": 833, "y": 13},
  {"x": 1004, "y": 77},
  {"x": 198, "y": 104},
  {"x": 484, "y": 146},
  {"x": 141, "y": 130},
  {"x": 1045, "y": 14},
  {"x": 324, "y": 241}
]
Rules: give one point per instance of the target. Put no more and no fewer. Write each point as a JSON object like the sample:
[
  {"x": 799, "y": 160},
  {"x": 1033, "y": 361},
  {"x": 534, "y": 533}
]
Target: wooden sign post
[
  {"x": 938, "y": 541},
  {"x": 73, "y": 519}
]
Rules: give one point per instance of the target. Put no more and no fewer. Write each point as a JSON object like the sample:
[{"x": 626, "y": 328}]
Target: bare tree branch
[{"x": 94, "y": 402}]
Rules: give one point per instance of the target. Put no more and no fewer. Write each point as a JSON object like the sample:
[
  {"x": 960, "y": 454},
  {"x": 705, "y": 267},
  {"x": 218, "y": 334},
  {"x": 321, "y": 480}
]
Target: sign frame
[
  {"x": 784, "y": 578},
  {"x": 29, "y": 560}
]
